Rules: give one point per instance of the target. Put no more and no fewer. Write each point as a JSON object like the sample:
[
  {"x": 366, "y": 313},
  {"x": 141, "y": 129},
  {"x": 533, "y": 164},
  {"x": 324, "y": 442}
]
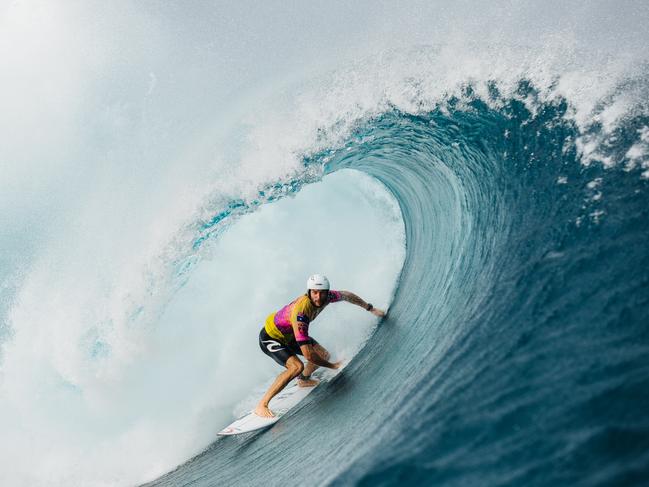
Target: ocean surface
[{"x": 173, "y": 172}]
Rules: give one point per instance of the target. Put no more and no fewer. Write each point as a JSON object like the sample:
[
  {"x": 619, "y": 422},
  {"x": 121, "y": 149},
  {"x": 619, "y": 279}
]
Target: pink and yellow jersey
[{"x": 300, "y": 312}]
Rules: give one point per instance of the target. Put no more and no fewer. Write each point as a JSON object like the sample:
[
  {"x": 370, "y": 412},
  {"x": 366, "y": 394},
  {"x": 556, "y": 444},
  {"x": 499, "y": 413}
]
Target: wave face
[
  {"x": 482, "y": 171},
  {"x": 515, "y": 348}
]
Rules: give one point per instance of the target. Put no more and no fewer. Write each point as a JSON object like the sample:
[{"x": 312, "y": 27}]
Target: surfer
[{"x": 285, "y": 335}]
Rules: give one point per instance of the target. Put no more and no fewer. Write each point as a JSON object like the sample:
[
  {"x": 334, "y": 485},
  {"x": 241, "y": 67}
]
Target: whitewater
[{"x": 171, "y": 173}]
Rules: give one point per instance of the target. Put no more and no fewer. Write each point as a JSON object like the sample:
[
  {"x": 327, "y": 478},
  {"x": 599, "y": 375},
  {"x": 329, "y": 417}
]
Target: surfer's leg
[
  {"x": 311, "y": 367},
  {"x": 294, "y": 367}
]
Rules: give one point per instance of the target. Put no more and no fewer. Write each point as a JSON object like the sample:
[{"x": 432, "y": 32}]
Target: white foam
[{"x": 156, "y": 392}]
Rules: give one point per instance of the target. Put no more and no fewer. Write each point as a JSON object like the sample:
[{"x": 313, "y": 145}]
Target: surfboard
[{"x": 280, "y": 405}]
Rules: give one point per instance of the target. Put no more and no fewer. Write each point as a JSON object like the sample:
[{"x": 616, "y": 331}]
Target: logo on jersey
[{"x": 272, "y": 346}]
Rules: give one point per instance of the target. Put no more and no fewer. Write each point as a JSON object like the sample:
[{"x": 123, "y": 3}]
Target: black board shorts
[{"x": 278, "y": 351}]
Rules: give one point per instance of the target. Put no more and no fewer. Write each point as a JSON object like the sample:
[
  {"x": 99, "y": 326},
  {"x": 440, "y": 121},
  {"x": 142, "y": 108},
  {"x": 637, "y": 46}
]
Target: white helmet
[{"x": 317, "y": 281}]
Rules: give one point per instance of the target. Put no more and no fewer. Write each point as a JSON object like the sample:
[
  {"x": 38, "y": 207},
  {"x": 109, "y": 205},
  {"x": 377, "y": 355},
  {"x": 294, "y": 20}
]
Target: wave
[
  {"x": 497, "y": 357},
  {"x": 496, "y": 200}
]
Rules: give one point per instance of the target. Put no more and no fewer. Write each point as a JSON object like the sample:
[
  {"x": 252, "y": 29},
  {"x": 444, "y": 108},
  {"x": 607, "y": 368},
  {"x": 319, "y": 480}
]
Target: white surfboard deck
[{"x": 279, "y": 405}]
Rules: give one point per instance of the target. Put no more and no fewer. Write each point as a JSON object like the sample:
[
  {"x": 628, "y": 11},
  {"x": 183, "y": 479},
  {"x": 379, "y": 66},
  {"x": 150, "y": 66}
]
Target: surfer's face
[{"x": 318, "y": 296}]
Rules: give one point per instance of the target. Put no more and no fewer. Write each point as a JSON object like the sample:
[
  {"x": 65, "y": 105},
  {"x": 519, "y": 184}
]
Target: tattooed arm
[{"x": 358, "y": 301}]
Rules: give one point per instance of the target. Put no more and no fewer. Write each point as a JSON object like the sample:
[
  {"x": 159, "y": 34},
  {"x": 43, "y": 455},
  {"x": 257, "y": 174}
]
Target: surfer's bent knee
[{"x": 295, "y": 367}]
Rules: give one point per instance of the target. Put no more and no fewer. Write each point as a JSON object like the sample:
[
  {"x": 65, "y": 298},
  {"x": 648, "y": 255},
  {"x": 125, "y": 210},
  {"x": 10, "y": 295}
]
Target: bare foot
[
  {"x": 263, "y": 411},
  {"x": 308, "y": 382},
  {"x": 337, "y": 365}
]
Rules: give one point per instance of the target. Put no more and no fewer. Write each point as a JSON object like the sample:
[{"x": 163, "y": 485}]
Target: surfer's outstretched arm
[{"x": 358, "y": 301}]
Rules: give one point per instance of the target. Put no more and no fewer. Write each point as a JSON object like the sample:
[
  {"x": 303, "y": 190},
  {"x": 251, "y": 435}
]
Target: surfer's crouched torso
[{"x": 277, "y": 338}]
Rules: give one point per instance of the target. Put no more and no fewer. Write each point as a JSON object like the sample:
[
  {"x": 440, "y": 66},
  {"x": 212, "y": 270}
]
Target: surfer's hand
[
  {"x": 378, "y": 312},
  {"x": 337, "y": 365}
]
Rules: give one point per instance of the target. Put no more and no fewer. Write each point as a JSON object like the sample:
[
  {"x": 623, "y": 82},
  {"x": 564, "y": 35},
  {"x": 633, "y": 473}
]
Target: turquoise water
[
  {"x": 172, "y": 173},
  {"x": 515, "y": 348}
]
